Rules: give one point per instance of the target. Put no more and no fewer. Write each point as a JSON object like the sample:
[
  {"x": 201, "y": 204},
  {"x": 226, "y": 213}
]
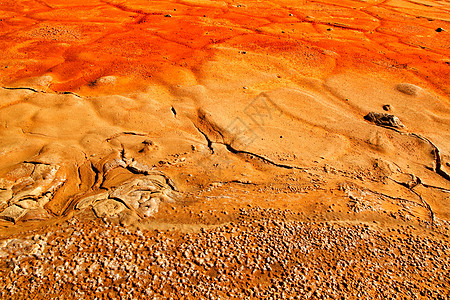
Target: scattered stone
[
  {"x": 384, "y": 119},
  {"x": 387, "y": 107},
  {"x": 263, "y": 255}
]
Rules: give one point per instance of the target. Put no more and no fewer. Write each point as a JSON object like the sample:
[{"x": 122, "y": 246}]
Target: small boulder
[
  {"x": 382, "y": 119},
  {"x": 387, "y": 107}
]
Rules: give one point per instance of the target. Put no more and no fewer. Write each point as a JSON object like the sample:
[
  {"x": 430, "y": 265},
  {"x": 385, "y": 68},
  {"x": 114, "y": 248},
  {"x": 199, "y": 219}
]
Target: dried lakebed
[{"x": 199, "y": 149}]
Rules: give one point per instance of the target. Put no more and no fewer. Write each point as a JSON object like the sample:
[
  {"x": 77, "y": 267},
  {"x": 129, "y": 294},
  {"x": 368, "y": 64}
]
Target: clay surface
[{"x": 254, "y": 149}]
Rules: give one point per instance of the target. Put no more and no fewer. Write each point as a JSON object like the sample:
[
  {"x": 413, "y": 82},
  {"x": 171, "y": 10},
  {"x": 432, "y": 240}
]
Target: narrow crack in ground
[
  {"x": 20, "y": 88},
  {"x": 426, "y": 204},
  {"x": 396, "y": 198},
  {"x": 43, "y": 92},
  {"x": 265, "y": 159},
  {"x": 208, "y": 140},
  {"x": 233, "y": 150},
  {"x": 125, "y": 133},
  {"x": 411, "y": 189},
  {"x": 97, "y": 175},
  {"x": 438, "y": 160}
]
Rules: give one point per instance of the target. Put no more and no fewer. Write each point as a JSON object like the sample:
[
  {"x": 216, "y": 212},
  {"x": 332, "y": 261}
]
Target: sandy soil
[{"x": 178, "y": 118}]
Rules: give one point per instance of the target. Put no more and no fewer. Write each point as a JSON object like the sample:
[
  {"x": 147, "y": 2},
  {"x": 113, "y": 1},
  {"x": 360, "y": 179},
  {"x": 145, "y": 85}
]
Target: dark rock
[
  {"x": 440, "y": 29},
  {"x": 384, "y": 119},
  {"x": 387, "y": 107}
]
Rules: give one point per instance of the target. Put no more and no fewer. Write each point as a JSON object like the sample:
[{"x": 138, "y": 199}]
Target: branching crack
[
  {"x": 417, "y": 182},
  {"x": 426, "y": 205},
  {"x": 209, "y": 142},
  {"x": 136, "y": 170},
  {"x": 265, "y": 159},
  {"x": 395, "y": 198},
  {"x": 437, "y": 153},
  {"x": 230, "y": 148},
  {"x": 436, "y": 187}
]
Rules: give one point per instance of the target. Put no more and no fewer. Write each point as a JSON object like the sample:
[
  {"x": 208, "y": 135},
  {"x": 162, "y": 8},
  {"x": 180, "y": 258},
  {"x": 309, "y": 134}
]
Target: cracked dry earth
[{"x": 224, "y": 150}]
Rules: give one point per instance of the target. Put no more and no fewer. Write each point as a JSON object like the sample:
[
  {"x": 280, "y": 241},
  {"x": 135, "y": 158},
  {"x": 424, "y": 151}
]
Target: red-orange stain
[{"x": 79, "y": 41}]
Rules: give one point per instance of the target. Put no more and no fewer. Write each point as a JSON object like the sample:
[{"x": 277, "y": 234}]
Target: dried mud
[{"x": 291, "y": 148}]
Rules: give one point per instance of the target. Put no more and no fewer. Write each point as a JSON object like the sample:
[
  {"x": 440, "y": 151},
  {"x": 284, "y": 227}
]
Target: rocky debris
[
  {"x": 383, "y": 119},
  {"x": 262, "y": 255},
  {"x": 439, "y": 29},
  {"x": 360, "y": 200}
]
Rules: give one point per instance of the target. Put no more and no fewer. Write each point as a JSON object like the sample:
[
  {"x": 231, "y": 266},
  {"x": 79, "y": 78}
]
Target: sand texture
[{"x": 224, "y": 122}]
